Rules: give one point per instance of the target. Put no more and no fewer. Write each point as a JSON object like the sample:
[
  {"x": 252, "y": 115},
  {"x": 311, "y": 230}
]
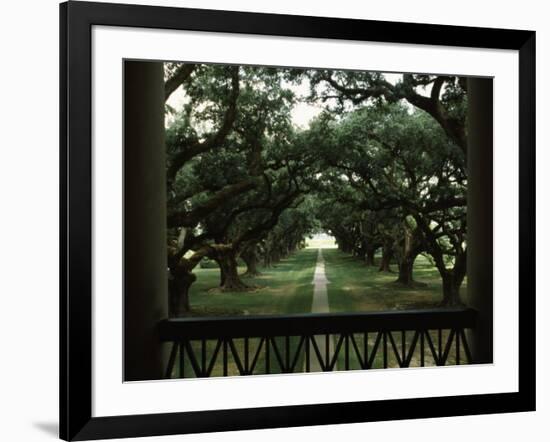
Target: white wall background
[{"x": 29, "y": 217}]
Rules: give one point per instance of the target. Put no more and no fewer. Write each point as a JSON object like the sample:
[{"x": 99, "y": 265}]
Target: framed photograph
[{"x": 272, "y": 221}]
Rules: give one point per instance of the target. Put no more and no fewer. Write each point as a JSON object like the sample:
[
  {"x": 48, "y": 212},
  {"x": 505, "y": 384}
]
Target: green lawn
[
  {"x": 283, "y": 289},
  {"x": 355, "y": 287},
  {"x": 287, "y": 288}
]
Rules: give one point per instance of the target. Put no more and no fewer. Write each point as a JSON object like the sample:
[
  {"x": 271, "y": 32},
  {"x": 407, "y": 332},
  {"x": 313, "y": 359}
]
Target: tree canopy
[{"x": 382, "y": 166}]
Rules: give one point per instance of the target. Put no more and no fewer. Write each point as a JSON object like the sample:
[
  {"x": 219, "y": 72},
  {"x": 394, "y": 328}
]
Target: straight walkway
[{"x": 320, "y": 305}]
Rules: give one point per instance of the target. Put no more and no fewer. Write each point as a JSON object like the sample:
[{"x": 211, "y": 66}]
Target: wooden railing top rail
[{"x": 175, "y": 329}]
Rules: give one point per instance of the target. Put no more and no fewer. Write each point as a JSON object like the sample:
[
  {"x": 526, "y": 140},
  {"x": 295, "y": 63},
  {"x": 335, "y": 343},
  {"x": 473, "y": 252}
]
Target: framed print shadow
[{"x": 274, "y": 220}]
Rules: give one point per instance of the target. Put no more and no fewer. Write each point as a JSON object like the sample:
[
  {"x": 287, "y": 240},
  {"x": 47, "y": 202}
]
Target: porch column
[
  {"x": 145, "y": 266},
  {"x": 480, "y": 215}
]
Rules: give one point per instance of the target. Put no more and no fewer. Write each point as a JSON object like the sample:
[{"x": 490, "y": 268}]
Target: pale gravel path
[{"x": 320, "y": 305}]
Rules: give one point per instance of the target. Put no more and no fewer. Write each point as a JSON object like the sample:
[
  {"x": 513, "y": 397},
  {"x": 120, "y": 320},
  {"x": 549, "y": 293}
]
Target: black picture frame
[{"x": 76, "y": 21}]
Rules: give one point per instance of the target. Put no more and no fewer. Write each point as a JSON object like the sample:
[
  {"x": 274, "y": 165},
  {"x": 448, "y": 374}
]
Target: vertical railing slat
[
  {"x": 225, "y": 370},
  {"x": 308, "y": 368},
  {"x": 182, "y": 360},
  {"x": 422, "y": 348},
  {"x": 171, "y": 360}
]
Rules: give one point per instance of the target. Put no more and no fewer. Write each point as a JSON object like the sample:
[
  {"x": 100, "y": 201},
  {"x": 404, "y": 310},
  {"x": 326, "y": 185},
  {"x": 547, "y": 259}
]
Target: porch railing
[{"x": 203, "y": 347}]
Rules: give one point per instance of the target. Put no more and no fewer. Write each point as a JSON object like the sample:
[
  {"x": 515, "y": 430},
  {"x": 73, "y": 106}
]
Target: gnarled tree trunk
[
  {"x": 452, "y": 278},
  {"x": 344, "y": 246},
  {"x": 180, "y": 279},
  {"x": 250, "y": 257},
  {"x": 405, "y": 265},
  {"x": 406, "y": 252},
  {"x": 451, "y": 291},
  {"x": 267, "y": 259},
  {"x": 369, "y": 255},
  {"x": 226, "y": 258},
  {"x": 452, "y": 281},
  {"x": 179, "y": 283},
  {"x": 275, "y": 257},
  {"x": 387, "y": 254}
]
